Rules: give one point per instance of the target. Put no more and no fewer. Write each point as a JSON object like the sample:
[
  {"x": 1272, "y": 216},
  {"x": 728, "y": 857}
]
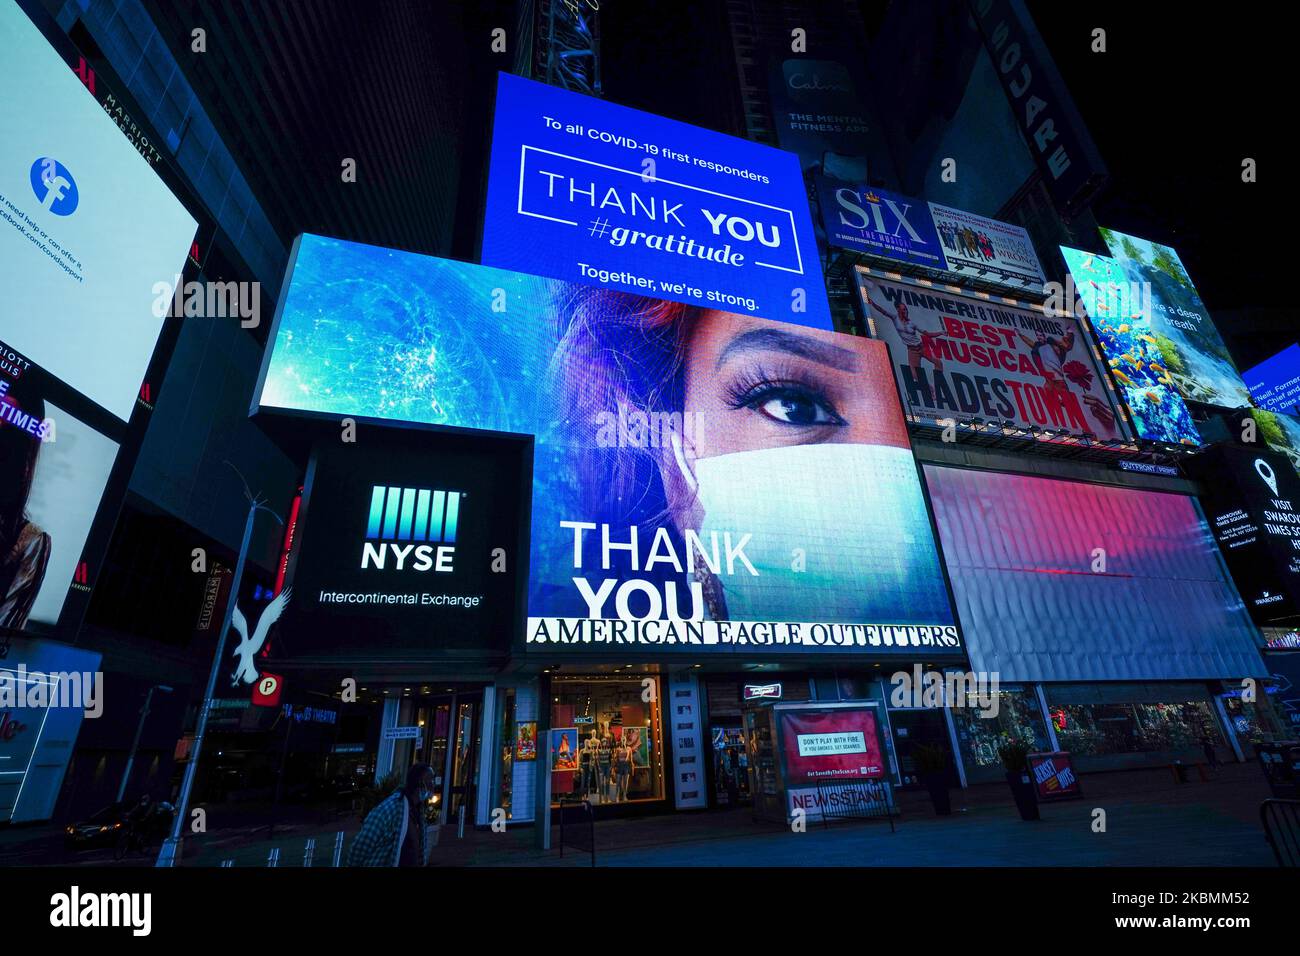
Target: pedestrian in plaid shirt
[{"x": 393, "y": 832}]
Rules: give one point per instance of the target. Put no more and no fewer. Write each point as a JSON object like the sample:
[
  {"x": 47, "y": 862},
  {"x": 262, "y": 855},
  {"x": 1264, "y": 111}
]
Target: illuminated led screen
[
  {"x": 1135, "y": 350},
  {"x": 959, "y": 357},
  {"x": 1198, "y": 361},
  {"x": 585, "y": 190},
  {"x": 87, "y": 229},
  {"x": 1275, "y": 382},
  {"x": 702, "y": 481},
  {"x": 55, "y": 467},
  {"x": 1073, "y": 581}
]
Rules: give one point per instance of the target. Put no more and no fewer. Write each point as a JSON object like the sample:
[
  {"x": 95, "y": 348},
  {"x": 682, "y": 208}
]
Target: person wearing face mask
[
  {"x": 393, "y": 833},
  {"x": 788, "y": 442}
]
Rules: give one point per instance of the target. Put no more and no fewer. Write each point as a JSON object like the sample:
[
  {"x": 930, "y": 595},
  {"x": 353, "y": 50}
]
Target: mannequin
[
  {"x": 603, "y": 765},
  {"x": 622, "y": 769},
  {"x": 590, "y": 780}
]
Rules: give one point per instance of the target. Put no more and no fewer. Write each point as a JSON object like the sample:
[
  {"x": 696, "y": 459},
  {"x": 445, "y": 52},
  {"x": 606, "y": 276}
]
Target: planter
[
  {"x": 937, "y": 786},
  {"x": 1022, "y": 789}
]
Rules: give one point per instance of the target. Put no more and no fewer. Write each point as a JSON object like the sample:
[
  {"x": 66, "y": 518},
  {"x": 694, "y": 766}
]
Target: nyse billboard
[
  {"x": 703, "y": 483},
  {"x": 1251, "y": 499},
  {"x": 408, "y": 544},
  {"x": 588, "y": 191}
]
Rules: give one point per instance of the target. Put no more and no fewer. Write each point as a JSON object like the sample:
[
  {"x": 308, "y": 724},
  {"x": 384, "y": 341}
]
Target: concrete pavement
[{"x": 1150, "y": 820}]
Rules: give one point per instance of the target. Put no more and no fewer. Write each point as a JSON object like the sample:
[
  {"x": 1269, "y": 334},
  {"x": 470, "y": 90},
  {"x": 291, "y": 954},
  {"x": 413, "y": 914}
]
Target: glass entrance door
[{"x": 465, "y": 747}]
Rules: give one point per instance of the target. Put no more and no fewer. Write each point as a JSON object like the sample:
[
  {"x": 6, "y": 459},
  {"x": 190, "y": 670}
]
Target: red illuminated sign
[
  {"x": 1053, "y": 775},
  {"x": 266, "y": 692},
  {"x": 290, "y": 527},
  {"x": 830, "y": 745}
]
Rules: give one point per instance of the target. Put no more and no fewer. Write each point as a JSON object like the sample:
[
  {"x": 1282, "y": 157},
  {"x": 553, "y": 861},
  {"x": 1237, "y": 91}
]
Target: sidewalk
[{"x": 1150, "y": 821}]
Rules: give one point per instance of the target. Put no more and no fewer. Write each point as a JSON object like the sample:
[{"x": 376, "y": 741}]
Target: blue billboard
[
  {"x": 1275, "y": 382},
  {"x": 588, "y": 191},
  {"x": 1121, "y": 313},
  {"x": 703, "y": 482},
  {"x": 879, "y": 223}
]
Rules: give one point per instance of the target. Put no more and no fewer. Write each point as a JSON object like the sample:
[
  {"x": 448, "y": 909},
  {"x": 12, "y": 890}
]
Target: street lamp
[
  {"x": 168, "y": 852},
  {"x": 139, "y": 729}
]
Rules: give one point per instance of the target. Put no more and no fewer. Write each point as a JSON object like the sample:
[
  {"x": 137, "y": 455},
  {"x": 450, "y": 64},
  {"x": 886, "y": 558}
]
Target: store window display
[
  {"x": 1018, "y": 717},
  {"x": 606, "y": 740},
  {"x": 730, "y": 766},
  {"x": 1096, "y": 730},
  {"x": 1255, "y": 722}
]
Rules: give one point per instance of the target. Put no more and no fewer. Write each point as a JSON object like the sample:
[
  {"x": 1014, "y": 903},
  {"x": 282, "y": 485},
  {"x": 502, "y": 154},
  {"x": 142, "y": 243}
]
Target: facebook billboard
[{"x": 591, "y": 192}]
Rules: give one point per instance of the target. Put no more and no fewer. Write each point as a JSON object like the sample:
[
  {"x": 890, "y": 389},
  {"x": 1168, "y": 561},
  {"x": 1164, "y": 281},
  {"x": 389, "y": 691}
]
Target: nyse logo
[
  {"x": 401, "y": 518},
  {"x": 54, "y": 186}
]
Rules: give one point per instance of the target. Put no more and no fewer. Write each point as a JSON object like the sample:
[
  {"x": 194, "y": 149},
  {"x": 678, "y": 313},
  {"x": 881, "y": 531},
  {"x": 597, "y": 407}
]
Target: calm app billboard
[
  {"x": 588, "y": 191},
  {"x": 87, "y": 229},
  {"x": 704, "y": 482}
]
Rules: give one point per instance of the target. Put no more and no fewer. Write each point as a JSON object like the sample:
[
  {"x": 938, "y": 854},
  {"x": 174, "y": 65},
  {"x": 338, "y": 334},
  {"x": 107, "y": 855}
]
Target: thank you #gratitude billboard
[
  {"x": 703, "y": 482},
  {"x": 588, "y": 191}
]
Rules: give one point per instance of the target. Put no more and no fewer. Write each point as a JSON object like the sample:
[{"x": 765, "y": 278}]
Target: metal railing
[
  {"x": 275, "y": 854},
  {"x": 1281, "y": 820},
  {"x": 856, "y": 799},
  {"x": 583, "y": 835}
]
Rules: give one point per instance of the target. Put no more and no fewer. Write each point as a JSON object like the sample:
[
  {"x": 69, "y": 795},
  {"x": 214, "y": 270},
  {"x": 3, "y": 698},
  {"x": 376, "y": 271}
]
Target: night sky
[
  {"x": 1176, "y": 102},
  {"x": 1181, "y": 96}
]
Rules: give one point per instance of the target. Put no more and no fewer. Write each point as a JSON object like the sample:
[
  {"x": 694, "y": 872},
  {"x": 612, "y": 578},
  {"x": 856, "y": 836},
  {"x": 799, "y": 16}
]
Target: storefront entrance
[
  {"x": 730, "y": 764},
  {"x": 916, "y": 728},
  {"x": 451, "y": 727},
  {"x": 464, "y": 740}
]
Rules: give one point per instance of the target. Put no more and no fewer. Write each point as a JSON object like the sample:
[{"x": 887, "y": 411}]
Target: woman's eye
[{"x": 794, "y": 409}]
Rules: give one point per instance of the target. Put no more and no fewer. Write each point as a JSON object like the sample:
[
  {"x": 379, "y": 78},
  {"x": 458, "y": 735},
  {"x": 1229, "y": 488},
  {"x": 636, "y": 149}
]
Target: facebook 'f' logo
[
  {"x": 54, "y": 186},
  {"x": 411, "y": 514}
]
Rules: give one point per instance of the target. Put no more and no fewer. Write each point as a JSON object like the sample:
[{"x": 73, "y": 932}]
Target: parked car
[
  {"x": 98, "y": 830},
  {"x": 104, "y": 827}
]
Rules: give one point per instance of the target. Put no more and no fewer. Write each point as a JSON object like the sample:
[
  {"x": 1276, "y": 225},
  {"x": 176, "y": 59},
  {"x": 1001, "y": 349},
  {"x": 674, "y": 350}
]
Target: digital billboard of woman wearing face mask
[
  {"x": 765, "y": 469},
  {"x": 689, "y": 465}
]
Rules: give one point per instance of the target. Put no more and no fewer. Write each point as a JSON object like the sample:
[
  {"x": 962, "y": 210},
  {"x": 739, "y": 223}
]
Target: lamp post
[
  {"x": 170, "y": 849},
  {"x": 135, "y": 744}
]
